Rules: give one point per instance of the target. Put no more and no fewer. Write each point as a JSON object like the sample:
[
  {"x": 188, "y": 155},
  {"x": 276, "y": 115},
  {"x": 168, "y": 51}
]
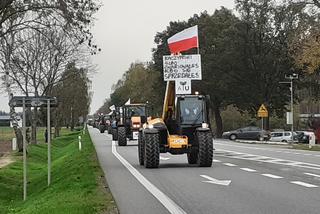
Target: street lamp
[{"x": 291, "y": 77}]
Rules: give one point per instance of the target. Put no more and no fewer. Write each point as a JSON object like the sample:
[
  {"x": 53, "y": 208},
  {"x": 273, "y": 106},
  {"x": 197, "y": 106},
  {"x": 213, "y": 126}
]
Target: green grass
[
  {"x": 77, "y": 181},
  {"x": 306, "y": 147},
  {"x": 6, "y": 133}
]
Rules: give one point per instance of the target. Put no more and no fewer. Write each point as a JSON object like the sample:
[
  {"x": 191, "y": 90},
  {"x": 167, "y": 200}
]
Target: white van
[{"x": 282, "y": 136}]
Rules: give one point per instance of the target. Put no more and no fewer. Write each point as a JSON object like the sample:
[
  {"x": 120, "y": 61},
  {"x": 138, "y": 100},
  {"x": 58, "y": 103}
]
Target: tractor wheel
[
  {"x": 141, "y": 148},
  {"x": 114, "y": 134},
  {"x": 205, "y": 154},
  {"x": 122, "y": 138},
  {"x": 151, "y": 150},
  {"x": 192, "y": 157}
]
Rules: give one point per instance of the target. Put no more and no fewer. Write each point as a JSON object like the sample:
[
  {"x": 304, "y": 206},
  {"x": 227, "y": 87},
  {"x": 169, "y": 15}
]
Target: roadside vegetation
[
  {"x": 306, "y": 147},
  {"x": 78, "y": 183}
]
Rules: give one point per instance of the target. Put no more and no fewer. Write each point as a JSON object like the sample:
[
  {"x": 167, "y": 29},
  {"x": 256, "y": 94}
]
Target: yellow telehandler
[{"x": 183, "y": 128}]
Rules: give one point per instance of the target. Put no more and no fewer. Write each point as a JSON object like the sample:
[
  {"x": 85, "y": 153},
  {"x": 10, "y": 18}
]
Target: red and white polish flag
[{"x": 184, "y": 40}]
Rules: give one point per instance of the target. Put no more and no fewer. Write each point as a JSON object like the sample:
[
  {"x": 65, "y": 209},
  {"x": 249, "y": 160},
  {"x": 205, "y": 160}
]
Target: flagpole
[{"x": 198, "y": 49}]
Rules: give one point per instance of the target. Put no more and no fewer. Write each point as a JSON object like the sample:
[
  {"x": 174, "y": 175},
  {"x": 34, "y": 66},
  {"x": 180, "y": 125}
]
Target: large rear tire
[
  {"x": 114, "y": 134},
  {"x": 122, "y": 138},
  {"x": 205, "y": 154},
  {"x": 141, "y": 149},
  {"x": 192, "y": 157},
  {"x": 151, "y": 151}
]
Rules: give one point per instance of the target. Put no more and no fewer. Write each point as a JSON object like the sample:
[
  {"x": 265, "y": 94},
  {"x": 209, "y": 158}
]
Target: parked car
[
  {"x": 248, "y": 133},
  {"x": 304, "y": 136},
  {"x": 284, "y": 136}
]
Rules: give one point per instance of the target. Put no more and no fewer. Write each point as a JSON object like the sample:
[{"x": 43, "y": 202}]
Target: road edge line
[{"x": 169, "y": 204}]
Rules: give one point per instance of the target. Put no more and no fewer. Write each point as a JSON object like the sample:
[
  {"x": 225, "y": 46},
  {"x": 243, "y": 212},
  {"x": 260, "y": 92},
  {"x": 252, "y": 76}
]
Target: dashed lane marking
[
  {"x": 266, "y": 159},
  {"x": 267, "y": 149},
  {"x": 314, "y": 175},
  {"x": 303, "y": 184},
  {"x": 248, "y": 169},
  {"x": 229, "y": 164},
  {"x": 272, "y": 176},
  {"x": 216, "y": 161}
]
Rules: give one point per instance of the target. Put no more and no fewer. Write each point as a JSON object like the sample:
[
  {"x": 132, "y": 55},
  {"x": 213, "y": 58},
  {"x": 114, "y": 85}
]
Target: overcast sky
[{"x": 125, "y": 31}]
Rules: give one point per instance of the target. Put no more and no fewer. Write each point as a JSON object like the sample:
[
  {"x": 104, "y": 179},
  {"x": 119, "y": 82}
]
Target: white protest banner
[
  {"x": 182, "y": 67},
  {"x": 183, "y": 86}
]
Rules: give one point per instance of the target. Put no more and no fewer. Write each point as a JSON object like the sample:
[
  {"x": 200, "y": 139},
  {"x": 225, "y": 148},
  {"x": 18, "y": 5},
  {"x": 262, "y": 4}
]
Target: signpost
[
  {"x": 262, "y": 112},
  {"x": 23, "y": 101}
]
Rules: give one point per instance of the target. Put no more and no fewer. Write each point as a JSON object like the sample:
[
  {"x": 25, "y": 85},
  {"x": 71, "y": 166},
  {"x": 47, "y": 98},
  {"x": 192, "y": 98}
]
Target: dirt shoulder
[
  {"x": 5, "y": 157},
  {"x": 5, "y": 160}
]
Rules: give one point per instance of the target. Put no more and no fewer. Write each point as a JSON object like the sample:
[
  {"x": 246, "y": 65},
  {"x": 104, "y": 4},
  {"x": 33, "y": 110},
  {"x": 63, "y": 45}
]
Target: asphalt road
[{"x": 244, "y": 179}]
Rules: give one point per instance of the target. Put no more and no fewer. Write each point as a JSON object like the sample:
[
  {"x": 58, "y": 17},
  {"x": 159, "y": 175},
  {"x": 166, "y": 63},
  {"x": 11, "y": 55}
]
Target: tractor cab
[{"x": 133, "y": 116}]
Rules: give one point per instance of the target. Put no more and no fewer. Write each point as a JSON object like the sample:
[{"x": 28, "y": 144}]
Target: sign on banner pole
[{"x": 24, "y": 150}]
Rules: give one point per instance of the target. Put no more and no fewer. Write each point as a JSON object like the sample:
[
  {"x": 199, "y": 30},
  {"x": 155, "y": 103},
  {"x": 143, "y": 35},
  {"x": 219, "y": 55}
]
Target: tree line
[
  {"x": 244, "y": 57},
  {"x": 44, "y": 51}
]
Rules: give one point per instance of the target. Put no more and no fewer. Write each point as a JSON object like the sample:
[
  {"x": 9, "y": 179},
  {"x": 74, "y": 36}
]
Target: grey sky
[{"x": 125, "y": 31}]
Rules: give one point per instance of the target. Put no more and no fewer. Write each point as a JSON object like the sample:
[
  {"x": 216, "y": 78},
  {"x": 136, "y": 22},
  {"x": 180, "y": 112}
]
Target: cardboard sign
[
  {"x": 182, "y": 67},
  {"x": 183, "y": 86}
]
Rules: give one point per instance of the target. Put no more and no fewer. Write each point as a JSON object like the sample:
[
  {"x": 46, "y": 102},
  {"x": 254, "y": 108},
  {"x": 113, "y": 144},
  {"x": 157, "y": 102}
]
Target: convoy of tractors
[{"x": 183, "y": 128}]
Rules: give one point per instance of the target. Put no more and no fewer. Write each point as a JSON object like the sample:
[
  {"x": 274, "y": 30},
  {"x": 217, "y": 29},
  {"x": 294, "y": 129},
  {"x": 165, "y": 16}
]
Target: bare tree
[
  {"x": 35, "y": 61},
  {"x": 70, "y": 15}
]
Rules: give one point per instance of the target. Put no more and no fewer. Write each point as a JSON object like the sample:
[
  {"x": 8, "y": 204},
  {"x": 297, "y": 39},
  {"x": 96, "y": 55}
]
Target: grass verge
[
  {"x": 77, "y": 180},
  {"x": 306, "y": 147}
]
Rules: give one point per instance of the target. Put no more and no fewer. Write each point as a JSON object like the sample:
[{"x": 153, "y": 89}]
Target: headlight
[
  {"x": 150, "y": 126},
  {"x": 205, "y": 125},
  {"x": 136, "y": 126}
]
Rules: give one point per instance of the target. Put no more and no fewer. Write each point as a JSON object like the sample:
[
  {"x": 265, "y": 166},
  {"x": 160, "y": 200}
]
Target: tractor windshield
[
  {"x": 136, "y": 111},
  {"x": 192, "y": 111}
]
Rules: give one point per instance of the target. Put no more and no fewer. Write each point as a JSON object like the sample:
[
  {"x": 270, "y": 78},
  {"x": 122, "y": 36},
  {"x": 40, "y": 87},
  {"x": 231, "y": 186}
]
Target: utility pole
[{"x": 291, "y": 77}]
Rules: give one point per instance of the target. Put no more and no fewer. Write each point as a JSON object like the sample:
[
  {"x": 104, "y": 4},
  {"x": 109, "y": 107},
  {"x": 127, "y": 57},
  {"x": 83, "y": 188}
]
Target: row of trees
[
  {"x": 244, "y": 57},
  {"x": 44, "y": 51}
]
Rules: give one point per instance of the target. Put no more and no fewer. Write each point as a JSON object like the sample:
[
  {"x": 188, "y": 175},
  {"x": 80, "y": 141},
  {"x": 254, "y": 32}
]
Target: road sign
[
  {"x": 182, "y": 67},
  {"x": 262, "y": 112},
  {"x": 289, "y": 118},
  {"x": 31, "y": 101},
  {"x": 183, "y": 86}
]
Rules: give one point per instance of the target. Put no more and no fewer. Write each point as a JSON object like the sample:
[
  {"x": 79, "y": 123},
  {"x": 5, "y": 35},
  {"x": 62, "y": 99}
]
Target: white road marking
[
  {"x": 303, "y": 184},
  {"x": 216, "y": 161},
  {"x": 248, "y": 169},
  {"x": 264, "y": 149},
  {"x": 271, "y": 160},
  {"x": 229, "y": 164},
  {"x": 169, "y": 204},
  {"x": 164, "y": 158},
  {"x": 272, "y": 176},
  {"x": 216, "y": 181},
  {"x": 314, "y": 175}
]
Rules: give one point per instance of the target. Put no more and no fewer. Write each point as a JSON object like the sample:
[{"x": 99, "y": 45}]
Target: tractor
[
  {"x": 131, "y": 120},
  {"x": 184, "y": 128}
]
